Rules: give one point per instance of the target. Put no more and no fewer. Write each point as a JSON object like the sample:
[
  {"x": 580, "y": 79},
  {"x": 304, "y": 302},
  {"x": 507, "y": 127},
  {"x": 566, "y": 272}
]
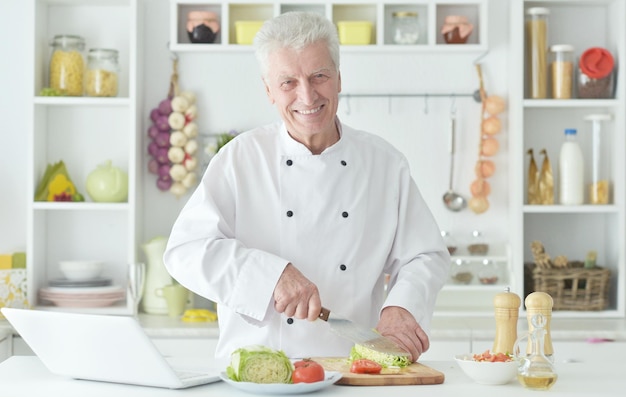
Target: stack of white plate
[{"x": 82, "y": 296}]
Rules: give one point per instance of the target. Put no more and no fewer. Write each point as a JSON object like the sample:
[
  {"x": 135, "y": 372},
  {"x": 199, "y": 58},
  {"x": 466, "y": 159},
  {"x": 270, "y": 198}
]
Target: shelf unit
[
  {"x": 474, "y": 299},
  {"x": 431, "y": 14},
  {"x": 539, "y": 123},
  {"x": 84, "y": 132}
]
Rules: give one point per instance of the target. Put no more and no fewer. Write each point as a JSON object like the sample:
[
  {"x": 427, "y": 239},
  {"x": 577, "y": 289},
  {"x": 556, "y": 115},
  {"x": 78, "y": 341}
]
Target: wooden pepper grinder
[
  {"x": 506, "y": 307},
  {"x": 540, "y": 303}
]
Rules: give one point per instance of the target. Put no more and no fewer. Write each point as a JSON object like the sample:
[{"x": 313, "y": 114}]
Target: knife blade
[{"x": 361, "y": 335}]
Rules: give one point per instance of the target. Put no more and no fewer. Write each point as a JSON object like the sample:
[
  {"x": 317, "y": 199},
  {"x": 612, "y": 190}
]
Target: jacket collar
[{"x": 294, "y": 147}]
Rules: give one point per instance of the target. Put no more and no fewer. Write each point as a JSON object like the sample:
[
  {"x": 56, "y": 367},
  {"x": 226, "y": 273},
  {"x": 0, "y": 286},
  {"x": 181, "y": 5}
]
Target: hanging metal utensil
[{"x": 453, "y": 201}]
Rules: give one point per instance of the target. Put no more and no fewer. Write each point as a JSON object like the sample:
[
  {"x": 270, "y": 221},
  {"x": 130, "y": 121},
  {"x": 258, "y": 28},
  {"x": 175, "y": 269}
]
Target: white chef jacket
[{"x": 344, "y": 218}]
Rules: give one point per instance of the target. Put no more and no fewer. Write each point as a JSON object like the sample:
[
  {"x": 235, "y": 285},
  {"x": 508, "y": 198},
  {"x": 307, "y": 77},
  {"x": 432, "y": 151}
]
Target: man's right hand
[{"x": 296, "y": 296}]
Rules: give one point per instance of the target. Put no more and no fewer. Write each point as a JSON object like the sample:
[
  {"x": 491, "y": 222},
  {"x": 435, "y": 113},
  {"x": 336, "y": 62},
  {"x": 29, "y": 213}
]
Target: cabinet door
[
  {"x": 481, "y": 345},
  {"x": 6, "y": 346},
  {"x": 188, "y": 347},
  {"x": 445, "y": 349},
  {"x": 20, "y": 348},
  {"x": 600, "y": 352}
]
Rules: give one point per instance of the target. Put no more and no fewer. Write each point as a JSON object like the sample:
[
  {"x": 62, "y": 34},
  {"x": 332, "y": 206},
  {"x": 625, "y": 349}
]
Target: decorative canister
[
  {"x": 405, "y": 27},
  {"x": 456, "y": 29},
  {"x": 67, "y": 64},
  {"x": 595, "y": 73},
  {"x": 101, "y": 78},
  {"x": 202, "y": 26}
]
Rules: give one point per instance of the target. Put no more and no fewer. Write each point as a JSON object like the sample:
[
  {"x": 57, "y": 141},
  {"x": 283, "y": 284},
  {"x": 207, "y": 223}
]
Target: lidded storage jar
[
  {"x": 461, "y": 272},
  {"x": 600, "y": 187},
  {"x": 405, "y": 27},
  {"x": 488, "y": 273},
  {"x": 101, "y": 78},
  {"x": 456, "y": 29},
  {"x": 595, "y": 74},
  {"x": 67, "y": 64},
  {"x": 562, "y": 70},
  {"x": 537, "y": 39},
  {"x": 449, "y": 241},
  {"x": 202, "y": 26},
  {"x": 478, "y": 245}
]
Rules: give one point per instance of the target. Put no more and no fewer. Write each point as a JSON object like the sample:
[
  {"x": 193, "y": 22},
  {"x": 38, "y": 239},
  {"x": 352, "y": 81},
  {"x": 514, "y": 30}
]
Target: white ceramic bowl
[
  {"x": 485, "y": 372},
  {"x": 81, "y": 270}
]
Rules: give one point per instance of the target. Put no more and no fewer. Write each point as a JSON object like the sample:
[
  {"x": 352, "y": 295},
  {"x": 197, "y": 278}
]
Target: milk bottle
[{"x": 571, "y": 174}]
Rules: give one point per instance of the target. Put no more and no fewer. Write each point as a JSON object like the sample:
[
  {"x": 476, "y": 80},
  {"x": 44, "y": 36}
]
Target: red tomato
[
  {"x": 307, "y": 371},
  {"x": 365, "y": 366}
]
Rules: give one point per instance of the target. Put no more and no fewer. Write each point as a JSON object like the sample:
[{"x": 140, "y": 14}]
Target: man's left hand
[{"x": 400, "y": 326}]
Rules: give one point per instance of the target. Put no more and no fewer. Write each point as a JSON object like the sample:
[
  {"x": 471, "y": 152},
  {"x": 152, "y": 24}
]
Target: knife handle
[{"x": 324, "y": 313}]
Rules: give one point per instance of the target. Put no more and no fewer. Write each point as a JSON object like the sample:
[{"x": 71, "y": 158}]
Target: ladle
[{"x": 453, "y": 201}]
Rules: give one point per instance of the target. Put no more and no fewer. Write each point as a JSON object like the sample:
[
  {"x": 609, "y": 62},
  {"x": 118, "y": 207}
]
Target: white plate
[
  {"x": 283, "y": 388},
  {"x": 83, "y": 290},
  {"x": 100, "y": 302},
  {"x": 94, "y": 282}
]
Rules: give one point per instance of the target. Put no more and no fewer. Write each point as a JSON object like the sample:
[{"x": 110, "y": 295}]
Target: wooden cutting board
[{"x": 414, "y": 374}]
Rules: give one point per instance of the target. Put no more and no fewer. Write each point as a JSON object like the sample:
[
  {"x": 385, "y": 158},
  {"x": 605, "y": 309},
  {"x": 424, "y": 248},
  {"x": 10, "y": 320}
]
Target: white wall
[
  {"x": 230, "y": 96},
  {"x": 13, "y": 102}
]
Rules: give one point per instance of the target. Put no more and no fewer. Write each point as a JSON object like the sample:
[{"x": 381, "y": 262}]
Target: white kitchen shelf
[
  {"x": 79, "y": 206},
  {"x": 539, "y": 124},
  {"x": 84, "y": 132},
  {"x": 477, "y": 287},
  {"x": 571, "y": 103},
  {"x": 80, "y": 101},
  {"x": 431, "y": 14},
  {"x": 574, "y": 209}
]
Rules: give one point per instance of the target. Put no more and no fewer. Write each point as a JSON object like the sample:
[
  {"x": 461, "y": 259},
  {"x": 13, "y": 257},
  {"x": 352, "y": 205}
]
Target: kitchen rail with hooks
[{"x": 426, "y": 95}]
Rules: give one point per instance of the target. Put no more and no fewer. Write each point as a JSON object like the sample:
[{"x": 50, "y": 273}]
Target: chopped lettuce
[
  {"x": 384, "y": 359},
  {"x": 259, "y": 364}
]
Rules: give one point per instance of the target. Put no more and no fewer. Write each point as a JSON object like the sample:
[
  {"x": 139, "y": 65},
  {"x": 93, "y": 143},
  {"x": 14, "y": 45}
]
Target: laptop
[{"x": 103, "y": 348}]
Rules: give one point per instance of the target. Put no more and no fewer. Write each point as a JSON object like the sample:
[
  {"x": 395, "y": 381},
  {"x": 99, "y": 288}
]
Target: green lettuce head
[{"x": 259, "y": 364}]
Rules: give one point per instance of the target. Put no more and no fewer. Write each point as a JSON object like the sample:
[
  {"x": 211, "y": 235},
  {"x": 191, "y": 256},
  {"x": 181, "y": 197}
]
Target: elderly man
[{"x": 309, "y": 212}]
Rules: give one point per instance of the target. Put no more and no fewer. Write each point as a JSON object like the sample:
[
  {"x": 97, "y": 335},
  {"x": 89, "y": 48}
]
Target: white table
[{"x": 27, "y": 376}]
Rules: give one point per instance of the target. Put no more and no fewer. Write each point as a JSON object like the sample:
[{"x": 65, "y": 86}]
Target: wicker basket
[{"x": 574, "y": 287}]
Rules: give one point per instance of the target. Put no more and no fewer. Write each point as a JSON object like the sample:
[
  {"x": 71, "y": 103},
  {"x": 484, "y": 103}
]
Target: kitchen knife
[{"x": 358, "y": 334}]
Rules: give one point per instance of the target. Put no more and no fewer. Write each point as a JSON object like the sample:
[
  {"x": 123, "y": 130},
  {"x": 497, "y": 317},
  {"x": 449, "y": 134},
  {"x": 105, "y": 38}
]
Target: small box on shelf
[
  {"x": 353, "y": 21},
  {"x": 355, "y": 32},
  {"x": 246, "y": 30},
  {"x": 247, "y": 18}
]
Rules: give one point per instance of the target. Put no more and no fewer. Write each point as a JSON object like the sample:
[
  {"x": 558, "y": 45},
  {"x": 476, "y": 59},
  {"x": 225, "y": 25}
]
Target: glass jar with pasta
[
  {"x": 101, "y": 78},
  {"x": 600, "y": 186},
  {"x": 562, "y": 71},
  {"x": 67, "y": 64},
  {"x": 537, "y": 42}
]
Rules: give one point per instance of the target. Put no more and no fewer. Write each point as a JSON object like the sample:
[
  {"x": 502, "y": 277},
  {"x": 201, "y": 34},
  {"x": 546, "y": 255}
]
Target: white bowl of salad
[{"x": 488, "y": 368}]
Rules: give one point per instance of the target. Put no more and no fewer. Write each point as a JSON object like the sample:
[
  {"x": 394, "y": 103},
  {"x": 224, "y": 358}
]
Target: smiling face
[{"x": 304, "y": 85}]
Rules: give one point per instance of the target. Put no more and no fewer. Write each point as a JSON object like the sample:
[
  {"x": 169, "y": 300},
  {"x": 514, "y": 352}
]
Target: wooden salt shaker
[
  {"x": 540, "y": 303},
  {"x": 506, "y": 307}
]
